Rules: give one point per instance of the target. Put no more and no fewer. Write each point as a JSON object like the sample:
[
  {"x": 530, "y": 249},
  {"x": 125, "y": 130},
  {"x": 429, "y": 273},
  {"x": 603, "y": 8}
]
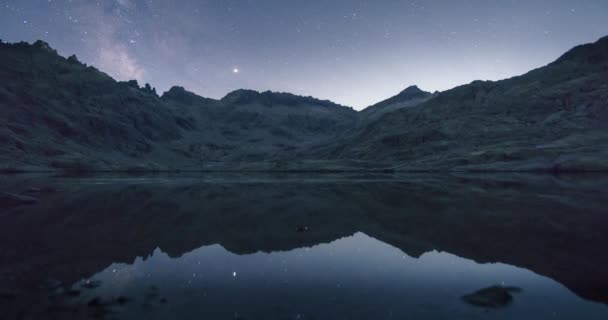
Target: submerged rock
[
  {"x": 13, "y": 200},
  {"x": 491, "y": 297}
]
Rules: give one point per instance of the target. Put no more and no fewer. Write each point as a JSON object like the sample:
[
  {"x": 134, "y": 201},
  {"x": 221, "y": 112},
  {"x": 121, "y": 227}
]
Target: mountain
[
  {"x": 552, "y": 118},
  {"x": 409, "y": 97},
  {"x": 60, "y": 113},
  {"x": 57, "y": 113},
  {"x": 247, "y": 125}
]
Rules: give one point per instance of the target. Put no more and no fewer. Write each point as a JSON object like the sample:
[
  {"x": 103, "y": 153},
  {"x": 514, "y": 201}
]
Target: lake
[{"x": 305, "y": 246}]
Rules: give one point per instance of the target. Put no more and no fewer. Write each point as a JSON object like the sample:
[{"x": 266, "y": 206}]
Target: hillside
[
  {"x": 57, "y": 113},
  {"x": 552, "y": 118}
]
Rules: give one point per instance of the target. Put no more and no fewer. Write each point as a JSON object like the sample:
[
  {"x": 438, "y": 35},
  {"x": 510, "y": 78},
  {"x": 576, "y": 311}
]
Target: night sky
[{"x": 352, "y": 52}]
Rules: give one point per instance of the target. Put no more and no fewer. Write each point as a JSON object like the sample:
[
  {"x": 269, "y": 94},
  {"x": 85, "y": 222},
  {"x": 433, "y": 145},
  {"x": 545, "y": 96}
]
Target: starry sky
[{"x": 353, "y": 52}]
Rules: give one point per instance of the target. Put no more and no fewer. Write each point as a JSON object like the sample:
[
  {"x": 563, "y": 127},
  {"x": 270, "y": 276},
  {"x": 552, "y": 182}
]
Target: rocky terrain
[
  {"x": 552, "y": 118},
  {"x": 57, "y": 113}
]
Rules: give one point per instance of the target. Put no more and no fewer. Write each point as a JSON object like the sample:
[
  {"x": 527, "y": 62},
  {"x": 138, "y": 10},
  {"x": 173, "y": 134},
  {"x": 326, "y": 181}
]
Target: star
[{"x": 235, "y": 70}]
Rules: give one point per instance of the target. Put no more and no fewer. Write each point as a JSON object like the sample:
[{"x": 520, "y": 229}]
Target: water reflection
[
  {"x": 356, "y": 277},
  {"x": 314, "y": 248}
]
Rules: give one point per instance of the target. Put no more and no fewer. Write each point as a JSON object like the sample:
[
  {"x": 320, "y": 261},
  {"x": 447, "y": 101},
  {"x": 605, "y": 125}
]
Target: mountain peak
[
  {"x": 181, "y": 95},
  {"x": 43, "y": 45},
  {"x": 412, "y": 92},
  {"x": 408, "y": 94},
  {"x": 412, "y": 89}
]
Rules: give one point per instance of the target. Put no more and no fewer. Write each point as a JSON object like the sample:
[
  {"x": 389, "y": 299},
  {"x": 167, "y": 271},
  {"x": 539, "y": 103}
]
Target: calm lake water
[{"x": 220, "y": 246}]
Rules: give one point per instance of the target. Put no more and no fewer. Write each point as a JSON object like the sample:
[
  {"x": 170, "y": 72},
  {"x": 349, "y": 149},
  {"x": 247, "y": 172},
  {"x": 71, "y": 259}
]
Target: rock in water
[
  {"x": 491, "y": 297},
  {"x": 12, "y": 200}
]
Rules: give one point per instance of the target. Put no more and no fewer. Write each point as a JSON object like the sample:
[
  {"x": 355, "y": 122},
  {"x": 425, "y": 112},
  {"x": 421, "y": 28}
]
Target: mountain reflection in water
[{"x": 293, "y": 247}]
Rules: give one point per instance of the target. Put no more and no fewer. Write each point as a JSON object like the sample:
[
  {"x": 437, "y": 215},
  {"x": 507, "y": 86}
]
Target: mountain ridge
[
  {"x": 60, "y": 114},
  {"x": 549, "y": 119}
]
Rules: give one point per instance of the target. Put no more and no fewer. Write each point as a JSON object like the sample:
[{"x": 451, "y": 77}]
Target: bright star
[{"x": 235, "y": 70}]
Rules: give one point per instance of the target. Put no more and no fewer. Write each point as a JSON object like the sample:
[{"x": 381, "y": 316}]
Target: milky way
[{"x": 352, "y": 52}]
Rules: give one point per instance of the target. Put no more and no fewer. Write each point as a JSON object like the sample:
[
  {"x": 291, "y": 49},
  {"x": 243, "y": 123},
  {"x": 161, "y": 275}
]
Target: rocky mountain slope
[
  {"x": 58, "y": 113},
  {"x": 247, "y": 125},
  {"x": 61, "y": 114},
  {"x": 552, "y": 118}
]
